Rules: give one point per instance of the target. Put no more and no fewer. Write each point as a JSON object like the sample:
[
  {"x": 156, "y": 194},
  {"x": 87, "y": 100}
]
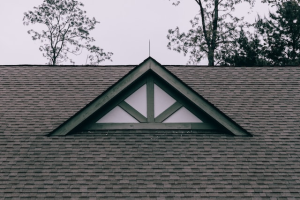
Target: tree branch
[
  {"x": 203, "y": 22},
  {"x": 215, "y": 24}
]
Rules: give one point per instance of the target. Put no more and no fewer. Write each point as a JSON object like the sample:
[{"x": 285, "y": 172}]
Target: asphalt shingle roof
[{"x": 265, "y": 101}]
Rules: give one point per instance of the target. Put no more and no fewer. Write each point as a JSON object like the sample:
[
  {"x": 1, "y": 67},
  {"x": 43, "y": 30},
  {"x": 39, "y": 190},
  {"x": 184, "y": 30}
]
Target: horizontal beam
[{"x": 154, "y": 126}]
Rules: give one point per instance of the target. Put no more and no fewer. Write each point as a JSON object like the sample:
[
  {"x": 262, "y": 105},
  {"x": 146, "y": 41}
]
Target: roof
[{"x": 34, "y": 100}]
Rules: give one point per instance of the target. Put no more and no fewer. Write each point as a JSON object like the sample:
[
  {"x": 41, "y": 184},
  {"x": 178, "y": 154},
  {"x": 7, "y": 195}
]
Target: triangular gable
[
  {"x": 148, "y": 66},
  {"x": 150, "y": 103}
]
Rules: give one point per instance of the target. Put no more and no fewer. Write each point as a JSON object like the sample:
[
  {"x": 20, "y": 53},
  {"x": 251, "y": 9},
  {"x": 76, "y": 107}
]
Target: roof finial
[{"x": 149, "y": 48}]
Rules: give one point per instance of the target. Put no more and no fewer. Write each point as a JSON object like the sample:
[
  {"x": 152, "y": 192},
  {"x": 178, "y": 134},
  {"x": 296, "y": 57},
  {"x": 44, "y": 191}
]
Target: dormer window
[
  {"x": 150, "y": 103},
  {"x": 149, "y": 97}
]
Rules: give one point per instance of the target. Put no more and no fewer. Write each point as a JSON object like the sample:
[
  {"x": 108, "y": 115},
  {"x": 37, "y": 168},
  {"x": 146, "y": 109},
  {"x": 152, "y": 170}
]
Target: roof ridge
[
  {"x": 133, "y": 65},
  {"x": 206, "y": 66},
  {"x": 54, "y": 66}
]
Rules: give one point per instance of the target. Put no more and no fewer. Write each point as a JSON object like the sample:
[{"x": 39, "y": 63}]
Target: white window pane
[
  {"x": 138, "y": 100},
  {"x": 117, "y": 115},
  {"x": 182, "y": 116},
  {"x": 162, "y": 100}
]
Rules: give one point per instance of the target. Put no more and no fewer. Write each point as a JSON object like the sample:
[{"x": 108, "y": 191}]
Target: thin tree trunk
[
  {"x": 211, "y": 60},
  {"x": 211, "y": 52},
  {"x": 54, "y": 61}
]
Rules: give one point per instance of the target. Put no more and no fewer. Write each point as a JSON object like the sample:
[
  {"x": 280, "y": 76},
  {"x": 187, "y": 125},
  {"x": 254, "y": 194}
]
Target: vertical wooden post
[{"x": 150, "y": 99}]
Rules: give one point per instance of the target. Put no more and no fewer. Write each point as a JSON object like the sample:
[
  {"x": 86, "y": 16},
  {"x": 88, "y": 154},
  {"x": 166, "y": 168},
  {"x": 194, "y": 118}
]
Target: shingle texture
[{"x": 265, "y": 101}]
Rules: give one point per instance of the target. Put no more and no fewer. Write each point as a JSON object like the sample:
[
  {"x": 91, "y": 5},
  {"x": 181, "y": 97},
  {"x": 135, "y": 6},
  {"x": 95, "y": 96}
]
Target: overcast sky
[{"x": 125, "y": 28}]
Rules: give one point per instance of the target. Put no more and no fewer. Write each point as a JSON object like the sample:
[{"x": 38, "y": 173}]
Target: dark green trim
[
  {"x": 197, "y": 100},
  {"x": 133, "y": 112},
  {"x": 133, "y": 88},
  {"x": 184, "y": 101},
  {"x": 116, "y": 101},
  {"x": 204, "y": 126},
  {"x": 167, "y": 113},
  {"x": 100, "y": 101},
  {"x": 149, "y": 79},
  {"x": 91, "y": 111},
  {"x": 150, "y": 99},
  {"x": 154, "y": 126}
]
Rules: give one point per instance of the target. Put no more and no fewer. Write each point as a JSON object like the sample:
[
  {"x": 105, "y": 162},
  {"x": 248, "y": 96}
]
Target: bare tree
[
  {"x": 67, "y": 31},
  {"x": 213, "y": 31}
]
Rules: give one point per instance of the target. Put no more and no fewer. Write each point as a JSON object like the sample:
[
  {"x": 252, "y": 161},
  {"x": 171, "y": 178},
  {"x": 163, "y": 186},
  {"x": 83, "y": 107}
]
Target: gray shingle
[{"x": 149, "y": 164}]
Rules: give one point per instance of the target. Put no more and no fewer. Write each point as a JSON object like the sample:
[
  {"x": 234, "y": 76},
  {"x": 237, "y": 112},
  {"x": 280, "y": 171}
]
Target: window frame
[{"x": 150, "y": 122}]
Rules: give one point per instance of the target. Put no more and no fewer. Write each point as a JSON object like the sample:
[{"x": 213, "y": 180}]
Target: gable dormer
[{"x": 149, "y": 97}]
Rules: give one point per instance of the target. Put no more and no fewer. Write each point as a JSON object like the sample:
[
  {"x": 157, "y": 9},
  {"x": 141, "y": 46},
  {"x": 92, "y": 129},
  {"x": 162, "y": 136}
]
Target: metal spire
[{"x": 149, "y": 48}]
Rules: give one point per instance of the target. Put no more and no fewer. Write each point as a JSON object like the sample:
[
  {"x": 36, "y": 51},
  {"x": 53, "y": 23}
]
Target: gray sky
[{"x": 125, "y": 29}]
